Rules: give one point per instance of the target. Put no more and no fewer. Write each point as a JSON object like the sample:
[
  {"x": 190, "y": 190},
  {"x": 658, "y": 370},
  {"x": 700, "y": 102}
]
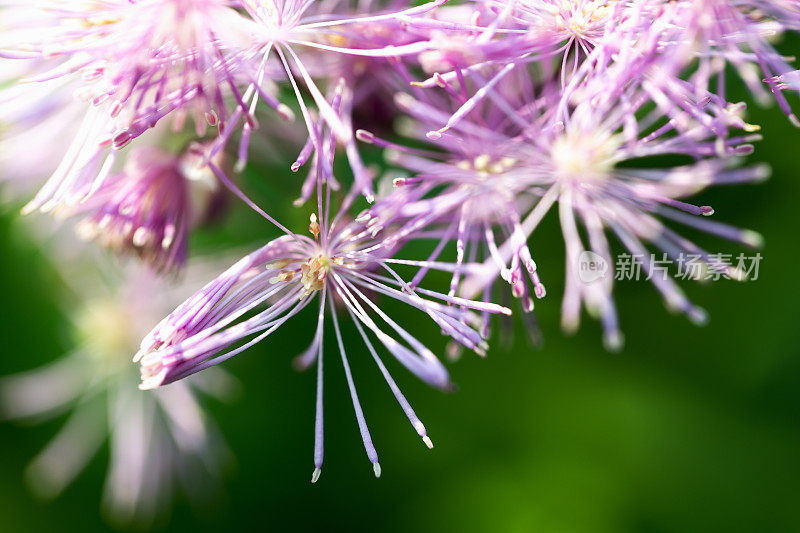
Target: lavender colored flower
[
  {"x": 156, "y": 440},
  {"x": 137, "y": 62},
  {"x": 343, "y": 264},
  {"x": 721, "y": 33},
  {"x": 483, "y": 32},
  {"x": 572, "y": 146},
  {"x": 283, "y": 26},
  {"x": 470, "y": 193},
  {"x": 147, "y": 58},
  {"x": 148, "y": 208},
  {"x": 506, "y": 37},
  {"x": 529, "y": 107},
  {"x": 109, "y": 71},
  {"x": 144, "y": 202}
]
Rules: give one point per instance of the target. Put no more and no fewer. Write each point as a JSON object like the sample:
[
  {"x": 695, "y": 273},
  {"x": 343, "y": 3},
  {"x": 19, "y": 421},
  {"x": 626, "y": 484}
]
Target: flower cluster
[{"x": 490, "y": 115}]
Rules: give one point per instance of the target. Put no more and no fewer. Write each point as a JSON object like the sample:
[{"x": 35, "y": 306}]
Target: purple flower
[
  {"x": 505, "y": 164},
  {"x": 111, "y": 70},
  {"x": 481, "y": 32},
  {"x": 720, "y": 33},
  {"x": 343, "y": 264},
  {"x": 283, "y": 33},
  {"x": 508, "y": 37},
  {"x": 138, "y": 62},
  {"x": 147, "y": 209},
  {"x": 471, "y": 193},
  {"x": 146, "y": 58}
]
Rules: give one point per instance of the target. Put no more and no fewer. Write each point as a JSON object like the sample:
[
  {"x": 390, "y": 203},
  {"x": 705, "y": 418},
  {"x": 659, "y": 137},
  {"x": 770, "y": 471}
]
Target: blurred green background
[{"x": 687, "y": 429}]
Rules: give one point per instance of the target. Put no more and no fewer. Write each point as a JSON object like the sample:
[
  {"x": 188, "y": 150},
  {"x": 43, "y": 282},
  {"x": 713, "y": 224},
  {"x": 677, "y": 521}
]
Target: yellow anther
[
  {"x": 280, "y": 263},
  {"x": 313, "y": 273},
  {"x": 284, "y": 275},
  {"x": 508, "y": 162},
  {"x": 481, "y": 162},
  {"x": 314, "y": 226}
]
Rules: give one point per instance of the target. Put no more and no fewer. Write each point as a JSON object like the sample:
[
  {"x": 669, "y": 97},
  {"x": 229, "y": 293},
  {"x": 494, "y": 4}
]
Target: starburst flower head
[
  {"x": 581, "y": 21},
  {"x": 481, "y": 32},
  {"x": 513, "y": 41},
  {"x": 581, "y": 147},
  {"x": 581, "y": 161},
  {"x": 341, "y": 264},
  {"x": 283, "y": 33},
  {"x": 471, "y": 191}
]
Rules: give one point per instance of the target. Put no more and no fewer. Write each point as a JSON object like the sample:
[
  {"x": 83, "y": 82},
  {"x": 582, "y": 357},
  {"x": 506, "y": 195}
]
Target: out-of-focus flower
[
  {"x": 506, "y": 37},
  {"x": 148, "y": 208},
  {"x": 144, "y": 203},
  {"x": 146, "y": 58},
  {"x": 157, "y": 441},
  {"x": 130, "y": 63},
  {"x": 716, "y": 34},
  {"x": 470, "y": 191},
  {"x": 572, "y": 146},
  {"x": 284, "y": 26},
  {"x": 32, "y": 115}
]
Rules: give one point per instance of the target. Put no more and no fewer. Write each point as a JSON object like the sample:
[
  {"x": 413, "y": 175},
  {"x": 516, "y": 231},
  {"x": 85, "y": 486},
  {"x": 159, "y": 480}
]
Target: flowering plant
[{"x": 149, "y": 115}]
